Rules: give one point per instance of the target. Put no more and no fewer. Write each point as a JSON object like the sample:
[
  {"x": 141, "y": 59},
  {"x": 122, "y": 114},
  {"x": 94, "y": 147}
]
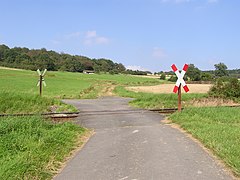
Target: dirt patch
[
  {"x": 147, "y": 76},
  {"x": 168, "y": 88},
  {"x": 14, "y": 69},
  {"x": 107, "y": 90}
]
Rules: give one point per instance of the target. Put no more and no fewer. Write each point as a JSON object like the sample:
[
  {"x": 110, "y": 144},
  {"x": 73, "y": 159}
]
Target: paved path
[{"x": 135, "y": 145}]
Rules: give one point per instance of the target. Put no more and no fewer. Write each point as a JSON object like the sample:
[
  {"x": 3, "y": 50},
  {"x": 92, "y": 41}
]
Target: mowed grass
[
  {"x": 218, "y": 128},
  {"x": 65, "y": 84},
  {"x": 33, "y": 148},
  {"x": 154, "y": 101}
]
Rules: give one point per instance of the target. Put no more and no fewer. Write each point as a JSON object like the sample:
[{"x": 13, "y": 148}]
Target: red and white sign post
[{"x": 180, "y": 81}]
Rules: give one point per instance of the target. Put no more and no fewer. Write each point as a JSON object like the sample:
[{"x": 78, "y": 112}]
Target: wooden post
[
  {"x": 179, "y": 99},
  {"x": 40, "y": 85}
]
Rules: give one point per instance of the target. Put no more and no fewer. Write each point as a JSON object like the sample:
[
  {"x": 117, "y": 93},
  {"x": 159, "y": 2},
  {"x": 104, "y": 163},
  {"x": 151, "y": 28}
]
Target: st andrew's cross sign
[
  {"x": 41, "y": 80},
  {"x": 180, "y": 81}
]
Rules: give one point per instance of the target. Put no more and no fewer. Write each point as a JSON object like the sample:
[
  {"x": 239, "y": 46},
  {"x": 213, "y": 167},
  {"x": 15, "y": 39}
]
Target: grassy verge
[
  {"x": 12, "y": 102},
  {"x": 149, "y": 100},
  {"x": 32, "y": 148},
  {"x": 217, "y": 128}
]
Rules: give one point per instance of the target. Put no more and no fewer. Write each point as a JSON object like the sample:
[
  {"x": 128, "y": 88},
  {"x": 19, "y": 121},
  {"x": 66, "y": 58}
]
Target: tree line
[
  {"x": 195, "y": 74},
  {"x": 33, "y": 59}
]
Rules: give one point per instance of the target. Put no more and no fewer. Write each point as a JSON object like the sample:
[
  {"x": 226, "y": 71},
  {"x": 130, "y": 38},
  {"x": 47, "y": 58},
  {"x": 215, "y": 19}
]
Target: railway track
[{"x": 66, "y": 115}]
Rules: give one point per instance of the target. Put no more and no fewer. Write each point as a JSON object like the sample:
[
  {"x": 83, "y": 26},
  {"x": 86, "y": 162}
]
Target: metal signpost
[
  {"x": 41, "y": 80},
  {"x": 180, "y": 81}
]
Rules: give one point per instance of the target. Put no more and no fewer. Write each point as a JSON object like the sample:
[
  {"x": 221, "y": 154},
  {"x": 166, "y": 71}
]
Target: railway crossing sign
[
  {"x": 41, "y": 80},
  {"x": 180, "y": 81}
]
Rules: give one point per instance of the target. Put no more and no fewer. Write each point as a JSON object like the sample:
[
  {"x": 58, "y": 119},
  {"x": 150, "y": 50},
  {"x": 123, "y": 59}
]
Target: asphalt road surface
[{"x": 133, "y": 144}]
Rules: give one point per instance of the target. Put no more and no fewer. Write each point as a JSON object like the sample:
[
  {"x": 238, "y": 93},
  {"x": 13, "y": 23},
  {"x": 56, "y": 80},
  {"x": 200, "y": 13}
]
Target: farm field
[
  {"x": 66, "y": 84},
  {"x": 168, "y": 88}
]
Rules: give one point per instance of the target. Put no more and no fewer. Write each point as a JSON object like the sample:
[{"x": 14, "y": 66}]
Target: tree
[
  {"x": 193, "y": 73},
  {"x": 120, "y": 67},
  {"x": 206, "y": 77},
  {"x": 33, "y": 59},
  {"x": 220, "y": 70},
  {"x": 226, "y": 87},
  {"x": 3, "y": 48},
  {"x": 163, "y": 76}
]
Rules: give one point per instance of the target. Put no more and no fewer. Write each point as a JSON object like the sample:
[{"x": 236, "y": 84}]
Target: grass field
[
  {"x": 217, "y": 128},
  {"x": 154, "y": 101},
  {"x": 66, "y": 84},
  {"x": 32, "y": 148},
  {"x": 22, "y": 103}
]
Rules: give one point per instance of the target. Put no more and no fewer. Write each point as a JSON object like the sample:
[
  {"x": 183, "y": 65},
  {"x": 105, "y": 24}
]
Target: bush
[
  {"x": 173, "y": 78},
  {"x": 163, "y": 76},
  {"x": 226, "y": 87}
]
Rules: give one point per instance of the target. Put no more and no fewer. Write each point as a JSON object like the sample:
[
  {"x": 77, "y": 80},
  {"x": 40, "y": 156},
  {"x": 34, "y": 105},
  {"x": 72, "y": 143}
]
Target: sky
[{"x": 141, "y": 34}]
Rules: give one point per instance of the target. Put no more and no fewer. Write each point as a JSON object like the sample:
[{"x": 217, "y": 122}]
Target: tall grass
[
  {"x": 218, "y": 128},
  {"x": 12, "y": 102},
  {"x": 32, "y": 148}
]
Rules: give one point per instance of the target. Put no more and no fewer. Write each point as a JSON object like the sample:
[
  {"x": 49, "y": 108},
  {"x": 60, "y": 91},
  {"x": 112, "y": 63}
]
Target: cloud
[
  {"x": 135, "y": 67},
  {"x": 158, "y": 53},
  {"x": 91, "y": 34},
  {"x": 91, "y": 38}
]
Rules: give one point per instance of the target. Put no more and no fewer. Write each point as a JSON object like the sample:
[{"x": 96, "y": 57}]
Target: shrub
[
  {"x": 163, "y": 76},
  {"x": 226, "y": 87},
  {"x": 173, "y": 78}
]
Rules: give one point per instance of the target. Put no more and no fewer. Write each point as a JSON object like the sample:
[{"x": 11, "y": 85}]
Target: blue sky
[{"x": 144, "y": 34}]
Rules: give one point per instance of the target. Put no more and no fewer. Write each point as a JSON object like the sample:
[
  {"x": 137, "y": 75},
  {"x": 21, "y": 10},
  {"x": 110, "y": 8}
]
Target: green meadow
[{"x": 66, "y": 84}]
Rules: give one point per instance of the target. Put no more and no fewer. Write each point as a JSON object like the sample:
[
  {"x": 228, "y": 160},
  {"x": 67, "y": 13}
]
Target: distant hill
[{"x": 34, "y": 59}]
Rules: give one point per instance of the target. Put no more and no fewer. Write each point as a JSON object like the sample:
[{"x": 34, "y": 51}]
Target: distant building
[{"x": 88, "y": 72}]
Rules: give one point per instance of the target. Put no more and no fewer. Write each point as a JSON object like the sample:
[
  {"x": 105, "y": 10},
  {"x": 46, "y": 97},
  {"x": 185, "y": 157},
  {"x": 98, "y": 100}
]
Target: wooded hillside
[{"x": 34, "y": 59}]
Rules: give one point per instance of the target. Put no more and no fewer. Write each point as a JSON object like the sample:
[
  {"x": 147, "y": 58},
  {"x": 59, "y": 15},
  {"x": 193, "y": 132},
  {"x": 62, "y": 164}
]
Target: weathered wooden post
[
  {"x": 41, "y": 80},
  {"x": 179, "y": 98}
]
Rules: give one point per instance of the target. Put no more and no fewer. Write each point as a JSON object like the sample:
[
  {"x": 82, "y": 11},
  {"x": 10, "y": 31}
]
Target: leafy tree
[
  {"x": 120, "y": 67},
  {"x": 173, "y": 78},
  {"x": 163, "y": 76},
  {"x": 193, "y": 73},
  {"x": 206, "y": 76},
  {"x": 42, "y": 58},
  {"x": 221, "y": 70}
]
